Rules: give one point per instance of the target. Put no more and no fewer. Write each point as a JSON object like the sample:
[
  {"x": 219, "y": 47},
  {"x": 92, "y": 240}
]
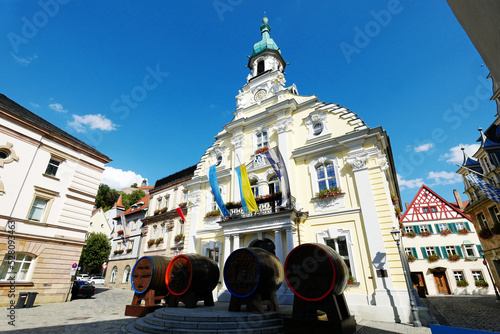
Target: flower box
[
  {"x": 481, "y": 283},
  {"x": 119, "y": 232},
  {"x": 158, "y": 241},
  {"x": 394, "y": 198},
  {"x": 445, "y": 232},
  {"x": 425, "y": 233},
  {"x": 329, "y": 192},
  {"x": 411, "y": 234},
  {"x": 151, "y": 242},
  {"x": 454, "y": 257},
  {"x": 463, "y": 231},
  {"x": 164, "y": 210},
  {"x": 182, "y": 205},
  {"x": 432, "y": 258},
  {"x": 213, "y": 213},
  {"x": 179, "y": 237},
  {"x": 129, "y": 250},
  {"x": 462, "y": 283},
  {"x": 157, "y": 212},
  {"x": 411, "y": 258},
  {"x": 120, "y": 251},
  {"x": 485, "y": 233},
  {"x": 351, "y": 280},
  {"x": 233, "y": 205},
  {"x": 262, "y": 150},
  {"x": 268, "y": 198}
]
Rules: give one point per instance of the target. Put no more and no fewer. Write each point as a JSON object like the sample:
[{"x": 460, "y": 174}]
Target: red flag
[{"x": 179, "y": 211}]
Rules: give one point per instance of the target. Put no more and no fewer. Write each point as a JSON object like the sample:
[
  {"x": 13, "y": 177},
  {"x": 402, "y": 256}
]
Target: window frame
[
  {"x": 335, "y": 233},
  {"x": 313, "y": 172},
  {"x": 430, "y": 251},
  {"x": 52, "y": 167},
  {"x": 113, "y": 275},
  {"x": 458, "y": 275},
  {"x": 495, "y": 216},
  {"x": 10, "y": 264},
  {"x": 474, "y": 275},
  {"x": 44, "y": 194},
  {"x": 481, "y": 220},
  {"x": 126, "y": 274}
]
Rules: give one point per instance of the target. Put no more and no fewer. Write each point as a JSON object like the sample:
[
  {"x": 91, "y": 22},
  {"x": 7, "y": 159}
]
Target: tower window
[{"x": 260, "y": 67}]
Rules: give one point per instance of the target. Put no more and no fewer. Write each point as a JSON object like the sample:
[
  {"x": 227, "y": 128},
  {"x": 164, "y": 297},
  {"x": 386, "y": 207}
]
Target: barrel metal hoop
[
  {"x": 258, "y": 277},
  {"x": 132, "y": 277},
  {"x": 167, "y": 275}
]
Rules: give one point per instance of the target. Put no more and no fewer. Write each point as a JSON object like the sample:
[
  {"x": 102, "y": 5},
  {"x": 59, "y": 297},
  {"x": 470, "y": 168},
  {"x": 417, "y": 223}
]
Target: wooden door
[{"x": 441, "y": 283}]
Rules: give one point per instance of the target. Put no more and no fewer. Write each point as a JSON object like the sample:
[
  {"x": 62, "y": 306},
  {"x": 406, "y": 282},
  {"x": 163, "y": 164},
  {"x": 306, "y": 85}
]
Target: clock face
[{"x": 260, "y": 95}]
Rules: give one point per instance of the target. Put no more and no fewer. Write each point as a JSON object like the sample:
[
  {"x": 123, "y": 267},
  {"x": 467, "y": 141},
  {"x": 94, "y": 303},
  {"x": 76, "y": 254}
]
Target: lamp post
[
  {"x": 396, "y": 235},
  {"x": 481, "y": 252}
]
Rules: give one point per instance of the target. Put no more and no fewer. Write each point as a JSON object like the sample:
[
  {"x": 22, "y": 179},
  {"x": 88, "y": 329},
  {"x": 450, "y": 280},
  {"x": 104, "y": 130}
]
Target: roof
[
  {"x": 50, "y": 129},
  {"x": 146, "y": 187},
  {"x": 135, "y": 209},
  {"x": 119, "y": 203},
  {"x": 267, "y": 43},
  {"x": 176, "y": 176}
]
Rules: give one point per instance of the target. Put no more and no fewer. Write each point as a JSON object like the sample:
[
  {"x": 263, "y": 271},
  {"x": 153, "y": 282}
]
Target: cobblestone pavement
[{"x": 473, "y": 312}]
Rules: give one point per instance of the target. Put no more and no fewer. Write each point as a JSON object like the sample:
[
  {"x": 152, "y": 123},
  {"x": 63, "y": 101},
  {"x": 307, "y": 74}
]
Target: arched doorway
[{"x": 266, "y": 244}]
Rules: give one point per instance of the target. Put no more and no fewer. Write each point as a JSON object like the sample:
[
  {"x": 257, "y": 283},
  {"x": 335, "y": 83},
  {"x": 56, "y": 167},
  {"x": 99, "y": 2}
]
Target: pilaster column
[
  {"x": 279, "y": 247},
  {"x": 194, "y": 199},
  {"x": 281, "y": 128},
  {"x": 227, "y": 247},
  {"x": 290, "y": 240},
  {"x": 236, "y": 242}
]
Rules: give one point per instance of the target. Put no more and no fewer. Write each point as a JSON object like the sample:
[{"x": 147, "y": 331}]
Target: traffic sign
[
  {"x": 104, "y": 266},
  {"x": 74, "y": 265}
]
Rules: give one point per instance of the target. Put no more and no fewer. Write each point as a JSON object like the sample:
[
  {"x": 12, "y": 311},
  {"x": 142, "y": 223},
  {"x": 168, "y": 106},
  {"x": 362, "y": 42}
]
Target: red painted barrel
[
  {"x": 314, "y": 271},
  {"x": 249, "y": 270},
  {"x": 149, "y": 273},
  {"x": 191, "y": 272}
]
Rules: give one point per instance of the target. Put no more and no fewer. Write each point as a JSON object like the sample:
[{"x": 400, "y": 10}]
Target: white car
[
  {"x": 96, "y": 280},
  {"x": 82, "y": 277}
]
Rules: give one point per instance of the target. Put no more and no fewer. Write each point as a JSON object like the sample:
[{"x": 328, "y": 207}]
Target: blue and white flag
[
  {"x": 212, "y": 177},
  {"x": 276, "y": 160},
  {"x": 490, "y": 192}
]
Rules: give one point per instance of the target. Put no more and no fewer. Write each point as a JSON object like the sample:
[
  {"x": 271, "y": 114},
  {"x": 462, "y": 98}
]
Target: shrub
[
  {"x": 481, "y": 283},
  {"x": 454, "y": 257},
  {"x": 463, "y": 231},
  {"x": 496, "y": 229},
  {"x": 158, "y": 241},
  {"x": 432, "y": 258},
  {"x": 462, "y": 283},
  {"x": 182, "y": 205},
  {"x": 157, "y": 212},
  {"x": 214, "y": 213},
  {"x": 445, "y": 232},
  {"x": 233, "y": 205},
  {"x": 118, "y": 251},
  {"x": 411, "y": 234},
  {"x": 179, "y": 237},
  {"x": 119, "y": 232},
  {"x": 351, "y": 280},
  {"x": 262, "y": 150},
  {"x": 151, "y": 242},
  {"x": 411, "y": 258},
  {"x": 425, "y": 233},
  {"x": 129, "y": 250}
]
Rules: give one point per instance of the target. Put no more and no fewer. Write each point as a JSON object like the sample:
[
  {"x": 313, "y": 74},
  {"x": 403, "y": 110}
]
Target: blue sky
[{"x": 151, "y": 83}]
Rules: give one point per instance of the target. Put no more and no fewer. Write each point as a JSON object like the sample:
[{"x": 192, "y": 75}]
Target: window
[
  {"x": 408, "y": 251},
  {"x": 213, "y": 254},
  {"x": 459, "y": 275},
  {"x": 262, "y": 139},
  {"x": 450, "y": 250},
  {"x": 167, "y": 201},
  {"x": 274, "y": 184},
  {"x": 255, "y": 187},
  {"x": 318, "y": 128},
  {"x": 37, "y": 209},
  {"x": 495, "y": 214},
  {"x": 260, "y": 67},
  {"x": 162, "y": 231},
  {"x": 426, "y": 209},
  {"x": 181, "y": 226},
  {"x": 469, "y": 251},
  {"x": 126, "y": 274},
  {"x": 219, "y": 160},
  {"x": 430, "y": 251},
  {"x": 114, "y": 273},
  {"x": 119, "y": 245},
  {"x": 185, "y": 196},
  {"x": 478, "y": 275},
  {"x": 16, "y": 269},
  {"x": 155, "y": 229},
  {"x": 408, "y": 229},
  {"x": 433, "y": 209},
  {"x": 326, "y": 176},
  {"x": 340, "y": 245},
  {"x": 131, "y": 244},
  {"x": 481, "y": 219},
  {"x": 423, "y": 228},
  {"x": 460, "y": 226},
  {"x": 443, "y": 227},
  {"x": 213, "y": 203},
  {"x": 52, "y": 167},
  {"x": 4, "y": 154}
]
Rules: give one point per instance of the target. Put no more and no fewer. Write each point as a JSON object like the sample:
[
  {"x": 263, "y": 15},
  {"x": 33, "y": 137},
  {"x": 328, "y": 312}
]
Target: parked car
[
  {"x": 96, "y": 280},
  {"x": 82, "y": 277},
  {"x": 82, "y": 289}
]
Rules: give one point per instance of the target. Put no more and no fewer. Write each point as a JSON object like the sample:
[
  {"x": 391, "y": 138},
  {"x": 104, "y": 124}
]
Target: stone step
[{"x": 211, "y": 315}]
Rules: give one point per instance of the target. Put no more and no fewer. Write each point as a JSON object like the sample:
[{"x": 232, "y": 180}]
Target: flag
[
  {"x": 490, "y": 192},
  {"x": 179, "y": 211},
  {"x": 212, "y": 177},
  {"x": 276, "y": 160},
  {"x": 247, "y": 200}
]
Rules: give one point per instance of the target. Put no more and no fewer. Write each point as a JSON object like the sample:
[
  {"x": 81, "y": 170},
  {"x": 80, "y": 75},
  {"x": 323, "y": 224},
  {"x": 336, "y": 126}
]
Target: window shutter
[
  {"x": 430, "y": 228},
  {"x": 450, "y": 226},
  {"x": 479, "y": 249},
  {"x": 445, "y": 253},
  {"x": 459, "y": 251},
  {"x": 424, "y": 252},
  {"x": 437, "y": 228},
  {"x": 416, "y": 229},
  {"x": 467, "y": 226},
  {"x": 414, "y": 252},
  {"x": 438, "y": 252}
]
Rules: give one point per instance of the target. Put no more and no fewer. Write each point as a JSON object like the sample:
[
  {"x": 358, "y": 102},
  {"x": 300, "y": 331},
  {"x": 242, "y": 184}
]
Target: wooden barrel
[
  {"x": 149, "y": 273},
  {"x": 250, "y": 270},
  {"x": 191, "y": 272},
  {"x": 314, "y": 271}
]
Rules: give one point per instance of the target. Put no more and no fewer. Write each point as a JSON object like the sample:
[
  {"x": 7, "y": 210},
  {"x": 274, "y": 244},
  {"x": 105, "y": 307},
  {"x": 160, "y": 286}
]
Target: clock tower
[{"x": 267, "y": 76}]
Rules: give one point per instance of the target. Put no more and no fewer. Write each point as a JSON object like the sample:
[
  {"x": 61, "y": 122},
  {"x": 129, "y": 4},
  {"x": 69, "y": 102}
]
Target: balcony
[{"x": 269, "y": 204}]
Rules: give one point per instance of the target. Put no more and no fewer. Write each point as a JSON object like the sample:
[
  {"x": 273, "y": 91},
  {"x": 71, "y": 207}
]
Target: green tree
[
  {"x": 106, "y": 197},
  {"x": 96, "y": 251},
  {"x": 134, "y": 185},
  {"x": 134, "y": 197}
]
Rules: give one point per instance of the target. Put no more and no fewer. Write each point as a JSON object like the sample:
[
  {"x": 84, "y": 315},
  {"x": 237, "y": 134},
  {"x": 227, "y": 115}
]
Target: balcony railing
[{"x": 266, "y": 206}]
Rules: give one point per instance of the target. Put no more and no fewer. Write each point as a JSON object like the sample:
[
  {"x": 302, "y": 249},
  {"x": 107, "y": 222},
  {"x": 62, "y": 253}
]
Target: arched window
[
  {"x": 254, "y": 184},
  {"x": 260, "y": 67},
  {"x": 325, "y": 174},
  {"x": 114, "y": 273},
  {"x": 126, "y": 274},
  {"x": 16, "y": 269},
  {"x": 274, "y": 184}
]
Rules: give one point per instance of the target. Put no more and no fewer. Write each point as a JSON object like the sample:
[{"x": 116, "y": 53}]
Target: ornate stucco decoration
[
  {"x": 358, "y": 159},
  {"x": 237, "y": 141},
  {"x": 194, "y": 197},
  {"x": 357, "y": 163},
  {"x": 282, "y": 124},
  {"x": 317, "y": 118},
  {"x": 7, "y": 154},
  {"x": 217, "y": 152}
]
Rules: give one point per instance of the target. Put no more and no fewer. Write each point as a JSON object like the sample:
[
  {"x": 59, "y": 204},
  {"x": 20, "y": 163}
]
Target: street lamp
[
  {"x": 481, "y": 252},
  {"x": 396, "y": 235}
]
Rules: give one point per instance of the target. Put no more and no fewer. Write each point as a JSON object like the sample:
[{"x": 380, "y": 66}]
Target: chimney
[
  {"x": 407, "y": 205},
  {"x": 458, "y": 199}
]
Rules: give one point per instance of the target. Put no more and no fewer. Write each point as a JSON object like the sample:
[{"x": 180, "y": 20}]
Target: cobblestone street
[{"x": 473, "y": 312}]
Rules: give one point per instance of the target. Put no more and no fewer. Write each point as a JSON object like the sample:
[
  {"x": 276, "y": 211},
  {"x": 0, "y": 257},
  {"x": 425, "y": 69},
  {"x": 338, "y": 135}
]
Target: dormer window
[{"x": 260, "y": 67}]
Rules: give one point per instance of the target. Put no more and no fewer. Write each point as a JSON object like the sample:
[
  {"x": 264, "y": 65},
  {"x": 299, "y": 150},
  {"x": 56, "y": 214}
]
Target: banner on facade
[
  {"x": 247, "y": 199},
  {"x": 276, "y": 160},
  {"x": 179, "y": 211},
  {"x": 212, "y": 177},
  {"x": 490, "y": 191}
]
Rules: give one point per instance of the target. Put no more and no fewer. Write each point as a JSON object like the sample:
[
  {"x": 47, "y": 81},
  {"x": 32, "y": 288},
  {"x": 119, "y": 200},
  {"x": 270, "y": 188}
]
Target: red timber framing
[{"x": 427, "y": 205}]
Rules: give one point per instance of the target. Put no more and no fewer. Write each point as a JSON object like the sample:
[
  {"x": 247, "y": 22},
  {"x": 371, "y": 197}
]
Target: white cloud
[
  {"x": 456, "y": 156},
  {"x": 57, "y": 107},
  {"x": 92, "y": 122},
  {"x": 424, "y": 147},
  {"x": 118, "y": 179},
  {"x": 403, "y": 184},
  {"x": 444, "y": 178},
  {"x": 24, "y": 61},
  {"x": 34, "y": 105}
]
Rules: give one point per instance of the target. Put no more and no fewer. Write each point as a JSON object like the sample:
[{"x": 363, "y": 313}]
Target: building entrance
[
  {"x": 266, "y": 244},
  {"x": 441, "y": 283}
]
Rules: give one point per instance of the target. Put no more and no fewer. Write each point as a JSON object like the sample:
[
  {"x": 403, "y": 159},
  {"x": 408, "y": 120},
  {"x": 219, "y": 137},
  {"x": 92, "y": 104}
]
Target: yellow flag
[{"x": 247, "y": 190}]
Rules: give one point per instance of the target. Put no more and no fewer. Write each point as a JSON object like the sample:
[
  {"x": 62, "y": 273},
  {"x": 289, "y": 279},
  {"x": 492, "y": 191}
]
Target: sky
[{"x": 150, "y": 83}]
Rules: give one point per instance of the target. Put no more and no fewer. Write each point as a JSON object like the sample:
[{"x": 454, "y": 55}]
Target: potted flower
[
  {"x": 233, "y": 205},
  {"x": 454, "y": 257},
  {"x": 179, "y": 237},
  {"x": 394, "y": 198},
  {"x": 158, "y": 241},
  {"x": 262, "y": 150},
  {"x": 164, "y": 210},
  {"x": 119, "y": 232},
  {"x": 151, "y": 242},
  {"x": 463, "y": 231},
  {"x": 118, "y": 251},
  {"x": 157, "y": 212},
  {"x": 411, "y": 234},
  {"x": 432, "y": 258},
  {"x": 481, "y": 283},
  {"x": 182, "y": 205},
  {"x": 485, "y": 233},
  {"x": 397, "y": 210},
  {"x": 445, "y": 232},
  {"x": 213, "y": 213},
  {"x": 411, "y": 258},
  {"x": 351, "y": 279},
  {"x": 425, "y": 233},
  {"x": 129, "y": 250},
  {"x": 462, "y": 283},
  {"x": 329, "y": 192}
]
